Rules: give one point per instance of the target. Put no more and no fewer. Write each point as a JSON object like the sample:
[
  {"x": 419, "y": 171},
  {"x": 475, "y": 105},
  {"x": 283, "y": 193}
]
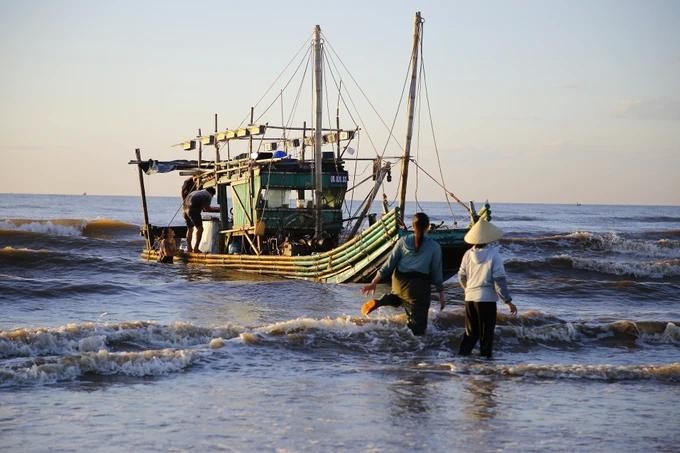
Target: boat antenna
[{"x": 406, "y": 158}]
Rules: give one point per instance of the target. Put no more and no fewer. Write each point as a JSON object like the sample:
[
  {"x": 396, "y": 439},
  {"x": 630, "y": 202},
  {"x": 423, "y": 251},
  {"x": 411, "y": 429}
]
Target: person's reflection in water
[
  {"x": 411, "y": 397},
  {"x": 480, "y": 403}
]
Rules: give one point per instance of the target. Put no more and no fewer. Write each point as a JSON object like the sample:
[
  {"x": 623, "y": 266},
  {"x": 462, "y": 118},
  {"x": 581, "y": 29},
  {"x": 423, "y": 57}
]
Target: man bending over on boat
[
  {"x": 415, "y": 264},
  {"x": 195, "y": 203}
]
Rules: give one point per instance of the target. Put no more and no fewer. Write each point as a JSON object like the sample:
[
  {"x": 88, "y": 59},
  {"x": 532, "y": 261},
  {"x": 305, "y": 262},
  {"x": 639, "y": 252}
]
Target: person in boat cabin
[
  {"x": 482, "y": 276},
  {"x": 194, "y": 204},
  {"x": 414, "y": 264},
  {"x": 167, "y": 247}
]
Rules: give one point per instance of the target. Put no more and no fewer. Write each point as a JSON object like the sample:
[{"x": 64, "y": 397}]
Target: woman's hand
[
  {"x": 512, "y": 307},
  {"x": 369, "y": 289}
]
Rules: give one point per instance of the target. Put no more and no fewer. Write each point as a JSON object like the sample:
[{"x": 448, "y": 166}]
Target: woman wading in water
[
  {"x": 414, "y": 264},
  {"x": 482, "y": 275}
]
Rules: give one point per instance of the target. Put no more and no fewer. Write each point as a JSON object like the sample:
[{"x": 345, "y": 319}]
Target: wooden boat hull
[{"x": 357, "y": 260}]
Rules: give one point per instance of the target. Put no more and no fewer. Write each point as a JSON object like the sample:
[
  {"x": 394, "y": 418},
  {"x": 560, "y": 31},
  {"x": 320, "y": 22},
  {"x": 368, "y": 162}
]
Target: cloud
[{"x": 659, "y": 109}]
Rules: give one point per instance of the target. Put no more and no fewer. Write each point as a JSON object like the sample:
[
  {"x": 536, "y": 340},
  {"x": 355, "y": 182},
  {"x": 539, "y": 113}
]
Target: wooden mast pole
[
  {"x": 200, "y": 148},
  {"x": 147, "y": 233},
  {"x": 318, "y": 93},
  {"x": 410, "y": 110},
  {"x": 217, "y": 148}
]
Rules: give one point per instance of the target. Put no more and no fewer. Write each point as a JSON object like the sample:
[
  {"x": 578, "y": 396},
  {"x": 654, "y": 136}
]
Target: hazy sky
[{"x": 533, "y": 101}]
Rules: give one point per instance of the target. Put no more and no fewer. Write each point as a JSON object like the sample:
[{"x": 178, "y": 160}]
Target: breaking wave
[
  {"x": 88, "y": 337},
  {"x": 98, "y": 228},
  {"x": 660, "y": 268},
  {"x": 102, "y": 362},
  {"x": 608, "y": 242},
  {"x": 142, "y": 348}
]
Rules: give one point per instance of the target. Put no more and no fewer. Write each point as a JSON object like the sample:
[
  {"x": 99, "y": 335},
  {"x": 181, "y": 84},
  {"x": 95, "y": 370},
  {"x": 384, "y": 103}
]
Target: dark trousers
[
  {"x": 480, "y": 322},
  {"x": 411, "y": 291}
]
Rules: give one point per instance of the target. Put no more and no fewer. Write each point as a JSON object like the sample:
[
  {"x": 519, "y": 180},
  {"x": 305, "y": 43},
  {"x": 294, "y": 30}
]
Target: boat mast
[
  {"x": 318, "y": 93},
  {"x": 147, "y": 227},
  {"x": 410, "y": 109}
]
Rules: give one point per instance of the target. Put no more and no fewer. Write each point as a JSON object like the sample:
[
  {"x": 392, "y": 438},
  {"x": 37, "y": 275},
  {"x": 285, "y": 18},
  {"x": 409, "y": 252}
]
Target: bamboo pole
[
  {"x": 318, "y": 96},
  {"x": 410, "y": 109},
  {"x": 147, "y": 233}
]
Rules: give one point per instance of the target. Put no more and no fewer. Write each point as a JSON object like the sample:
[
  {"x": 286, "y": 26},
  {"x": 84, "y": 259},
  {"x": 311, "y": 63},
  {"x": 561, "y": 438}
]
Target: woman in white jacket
[{"x": 482, "y": 275}]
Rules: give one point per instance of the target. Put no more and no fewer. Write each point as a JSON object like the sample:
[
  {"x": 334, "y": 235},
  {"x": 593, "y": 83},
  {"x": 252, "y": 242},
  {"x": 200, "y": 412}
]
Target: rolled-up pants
[
  {"x": 412, "y": 291},
  {"x": 480, "y": 322}
]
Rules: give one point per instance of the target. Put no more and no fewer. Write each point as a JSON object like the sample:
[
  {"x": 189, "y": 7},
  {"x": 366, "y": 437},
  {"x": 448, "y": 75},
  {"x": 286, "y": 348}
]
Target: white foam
[
  {"x": 564, "y": 333},
  {"x": 614, "y": 242},
  {"x": 103, "y": 362},
  {"x": 93, "y": 343},
  {"x": 343, "y": 325},
  {"x": 216, "y": 343},
  {"x": 73, "y": 338},
  {"x": 45, "y": 227},
  {"x": 654, "y": 269},
  {"x": 671, "y": 334}
]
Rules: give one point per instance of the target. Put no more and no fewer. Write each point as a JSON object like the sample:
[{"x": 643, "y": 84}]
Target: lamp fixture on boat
[
  {"x": 208, "y": 140},
  {"x": 225, "y": 135},
  {"x": 256, "y": 129}
]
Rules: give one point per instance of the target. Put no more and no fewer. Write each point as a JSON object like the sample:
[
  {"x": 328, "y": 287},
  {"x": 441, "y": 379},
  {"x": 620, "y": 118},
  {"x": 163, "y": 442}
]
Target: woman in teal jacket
[{"x": 414, "y": 265}]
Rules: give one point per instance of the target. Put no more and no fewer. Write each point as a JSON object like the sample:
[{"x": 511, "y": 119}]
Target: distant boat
[{"x": 311, "y": 238}]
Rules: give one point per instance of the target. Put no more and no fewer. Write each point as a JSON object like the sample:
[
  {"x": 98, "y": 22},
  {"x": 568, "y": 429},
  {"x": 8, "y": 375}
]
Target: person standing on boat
[
  {"x": 189, "y": 185},
  {"x": 414, "y": 264},
  {"x": 482, "y": 276},
  {"x": 194, "y": 204}
]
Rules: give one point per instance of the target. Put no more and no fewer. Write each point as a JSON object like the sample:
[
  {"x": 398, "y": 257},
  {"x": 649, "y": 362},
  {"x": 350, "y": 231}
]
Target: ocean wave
[
  {"x": 618, "y": 333},
  {"x": 605, "y": 372},
  {"x": 608, "y": 242},
  {"x": 102, "y": 362},
  {"x": 97, "y": 228},
  {"x": 23, "y": 288},
  {"x": 535, "y": 327},
  {"x": 41, "y": 258},
  {"x": 521, "y": 218},
  {"x": 648, "y": 219},
  {"x": 345, "y": 331},
  {"x": 143, "y": 348},
  {"x": 658, "y": 269},
  {"x": 387, "y": 333},
  {"x": 73, "y": 338}
]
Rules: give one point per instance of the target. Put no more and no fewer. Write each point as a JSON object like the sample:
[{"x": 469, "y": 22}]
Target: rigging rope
[
  {"x": 362, "y": 91},
  {"x": 434, "y": 138},
  {"x": 304, "y": 44},
  {"x": 419, "y": 108},
  {"x": 299, "y": 93},
  {"x": 282, "y": 90},
  {"x": 351, "y": 100},
  {"x": 451, "y": 194}
]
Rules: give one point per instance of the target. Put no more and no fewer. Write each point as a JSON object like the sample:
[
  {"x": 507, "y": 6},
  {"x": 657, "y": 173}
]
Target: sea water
[{"x": 103, "y": 351}]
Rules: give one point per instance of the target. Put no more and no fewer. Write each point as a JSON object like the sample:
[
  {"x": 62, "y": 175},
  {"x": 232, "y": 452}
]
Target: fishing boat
[{"x": 284, "y": 199}]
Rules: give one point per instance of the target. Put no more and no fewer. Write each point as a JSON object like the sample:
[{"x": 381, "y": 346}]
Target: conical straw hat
[{"x": 483, "y": 232}]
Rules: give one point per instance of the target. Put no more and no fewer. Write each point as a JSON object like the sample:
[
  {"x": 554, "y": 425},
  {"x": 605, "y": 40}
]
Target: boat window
[{"x": 276, "y": 198}]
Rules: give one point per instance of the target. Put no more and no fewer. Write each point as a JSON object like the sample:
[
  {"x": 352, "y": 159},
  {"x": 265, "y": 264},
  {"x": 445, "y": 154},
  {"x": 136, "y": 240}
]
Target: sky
[{"x": 532, "y": 101}]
